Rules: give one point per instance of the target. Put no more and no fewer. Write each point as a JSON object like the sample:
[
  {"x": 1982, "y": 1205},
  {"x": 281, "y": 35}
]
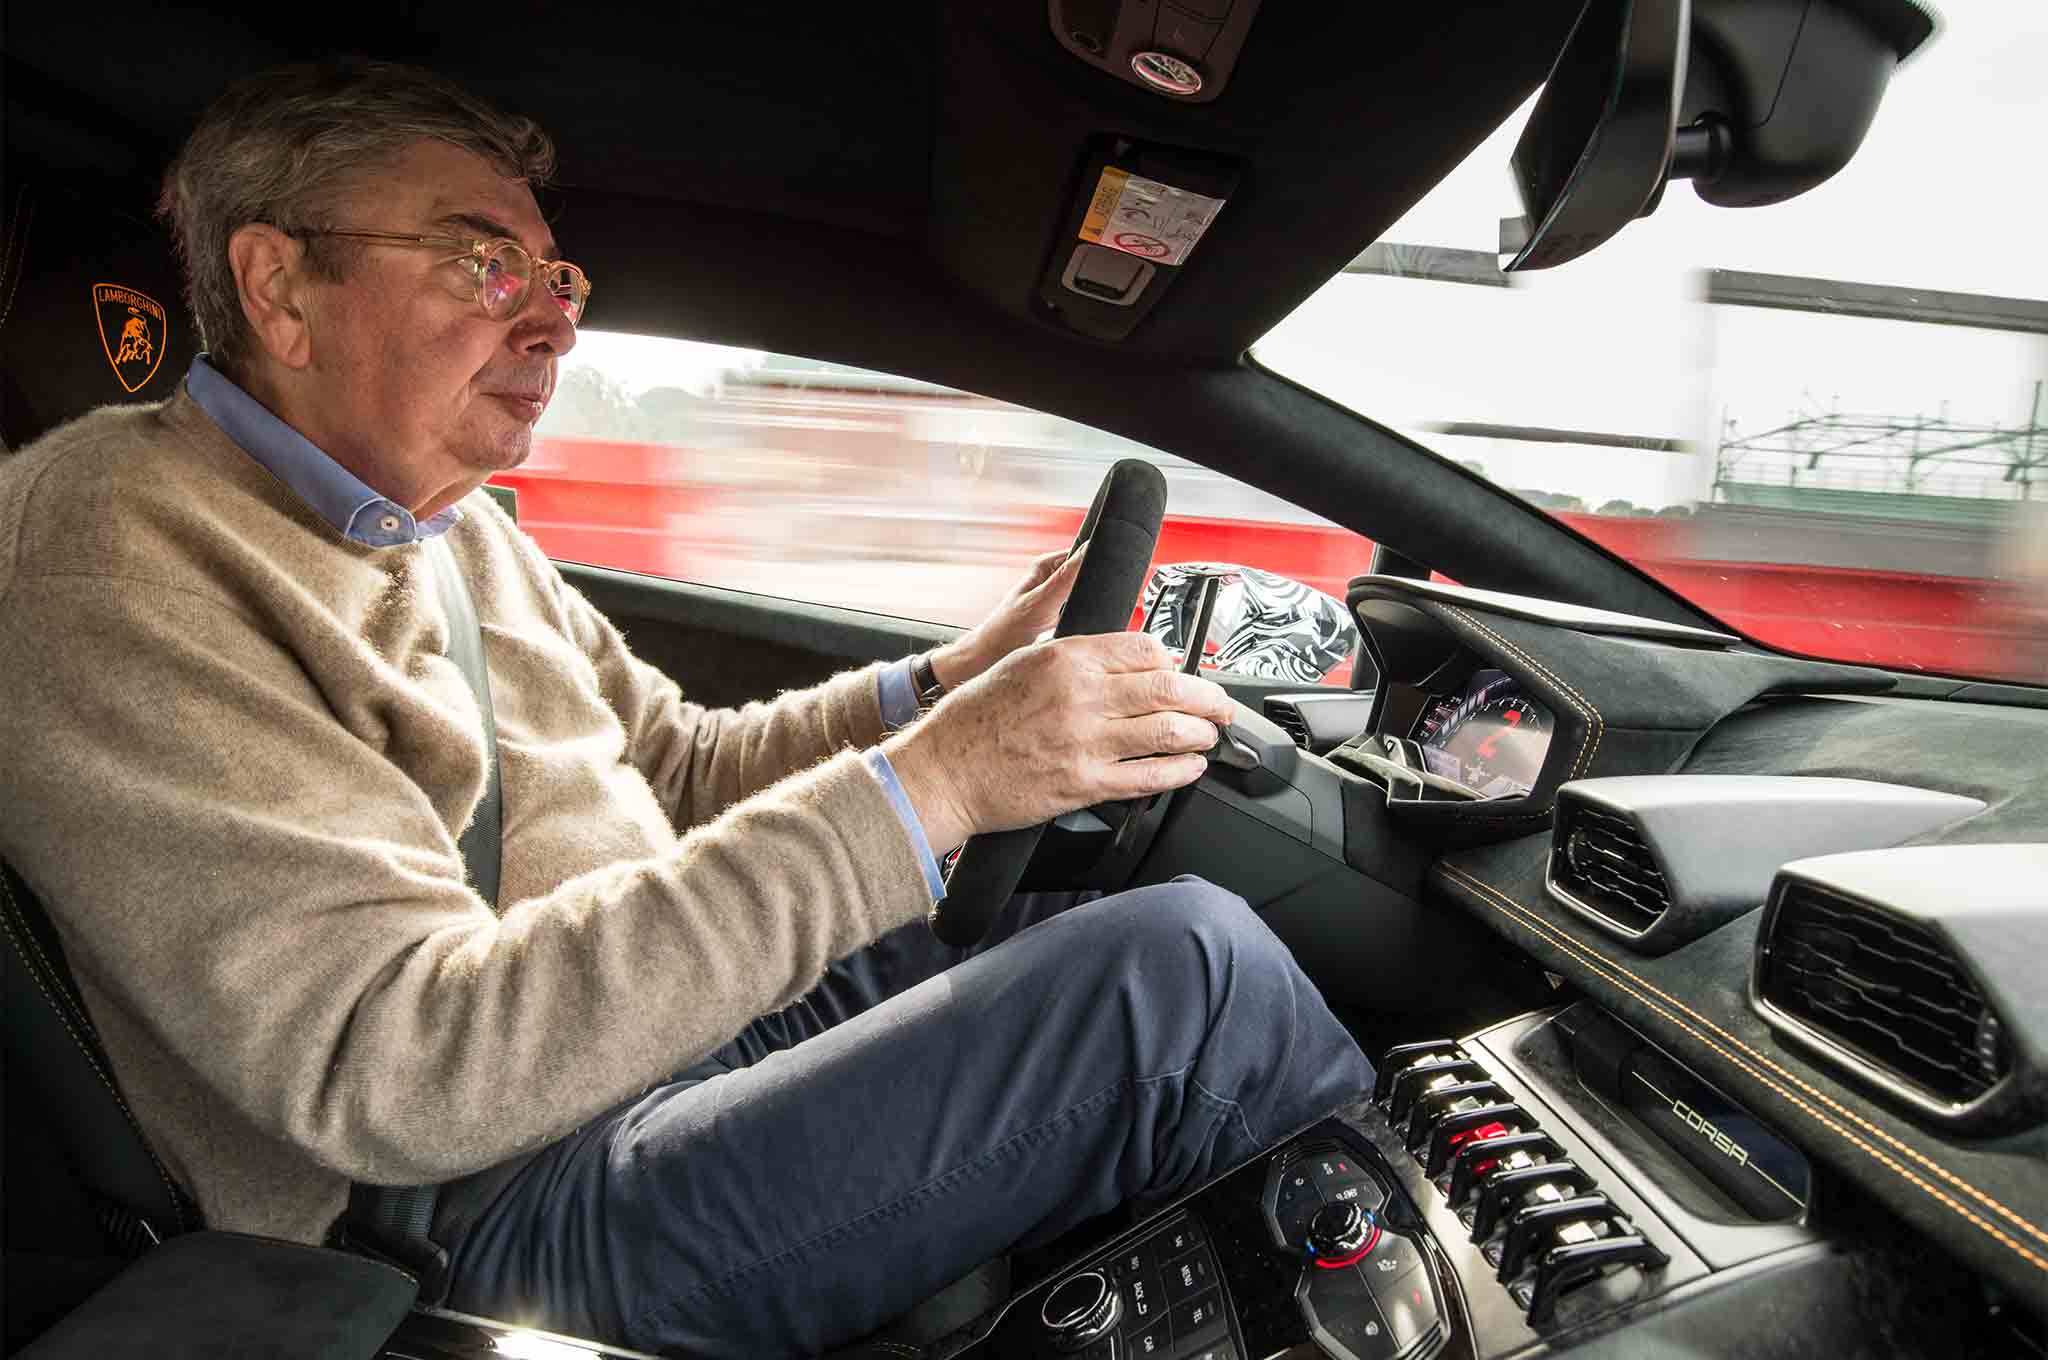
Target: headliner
[{"x": 950, "y": 132}]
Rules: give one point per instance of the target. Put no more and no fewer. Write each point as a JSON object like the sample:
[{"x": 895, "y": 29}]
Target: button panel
[
  {"x": 1172, "y": 1304},
  {"x": 1345, "y": 1297},
  {"x": 1537, "y": 1218},
  {"x": 1387, "y": 1204}
]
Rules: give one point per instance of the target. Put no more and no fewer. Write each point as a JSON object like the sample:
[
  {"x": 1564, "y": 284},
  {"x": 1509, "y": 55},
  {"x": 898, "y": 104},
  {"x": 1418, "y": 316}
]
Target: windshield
[{"x": 1823, "y": 422}]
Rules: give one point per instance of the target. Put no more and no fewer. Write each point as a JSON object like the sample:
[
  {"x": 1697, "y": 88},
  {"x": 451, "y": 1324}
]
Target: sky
[{"x": 1949, "y": 191}]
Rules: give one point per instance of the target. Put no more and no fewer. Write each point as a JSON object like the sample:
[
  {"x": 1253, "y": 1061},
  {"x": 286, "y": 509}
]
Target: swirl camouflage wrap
[{"x": 1265, "y": 627}]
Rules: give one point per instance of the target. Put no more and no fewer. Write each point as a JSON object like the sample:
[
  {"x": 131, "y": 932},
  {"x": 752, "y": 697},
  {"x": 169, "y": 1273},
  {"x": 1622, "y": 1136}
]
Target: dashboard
[{"x": 1789, "y": 1092}]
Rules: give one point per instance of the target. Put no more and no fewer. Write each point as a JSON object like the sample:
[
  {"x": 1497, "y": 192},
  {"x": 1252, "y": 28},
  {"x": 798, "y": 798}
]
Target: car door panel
[{"x": 725, "y": 647}]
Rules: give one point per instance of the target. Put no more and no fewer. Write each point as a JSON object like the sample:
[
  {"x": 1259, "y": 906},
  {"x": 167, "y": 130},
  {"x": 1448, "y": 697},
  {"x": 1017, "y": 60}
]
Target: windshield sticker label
[{"x": 1145, "y": 218}]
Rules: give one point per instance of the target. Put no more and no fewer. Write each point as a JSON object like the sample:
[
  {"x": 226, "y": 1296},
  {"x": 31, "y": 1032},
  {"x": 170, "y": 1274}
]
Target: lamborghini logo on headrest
[{"x": 133, "y": 329}]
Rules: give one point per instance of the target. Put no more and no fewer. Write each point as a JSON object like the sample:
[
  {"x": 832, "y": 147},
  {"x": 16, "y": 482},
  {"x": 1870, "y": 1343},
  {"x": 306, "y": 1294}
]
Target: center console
[{"x": 1551, "y": 1182}]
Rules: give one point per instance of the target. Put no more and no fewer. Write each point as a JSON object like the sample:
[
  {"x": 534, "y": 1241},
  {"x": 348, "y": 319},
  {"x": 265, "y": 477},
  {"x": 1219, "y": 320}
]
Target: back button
[{"x": 1144, "y": 1301}]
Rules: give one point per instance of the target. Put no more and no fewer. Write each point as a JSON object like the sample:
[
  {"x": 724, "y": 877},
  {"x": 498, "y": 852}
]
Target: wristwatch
[{"x": 926, "y": 681}]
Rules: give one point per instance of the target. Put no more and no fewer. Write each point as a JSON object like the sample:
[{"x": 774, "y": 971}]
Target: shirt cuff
[
  {"x": 885, "y": 774},
  {"x": 898, "y": 695}
]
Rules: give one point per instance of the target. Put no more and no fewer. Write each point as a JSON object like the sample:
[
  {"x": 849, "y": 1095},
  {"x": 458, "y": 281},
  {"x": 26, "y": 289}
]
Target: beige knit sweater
[{"x": 237, "y": 760}]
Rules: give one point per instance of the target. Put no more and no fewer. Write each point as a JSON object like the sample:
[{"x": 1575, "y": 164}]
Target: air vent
[
  {"x": 1290, "y": 719},
  {"x": 1886, "y": 990},
  {"x": 1662, "y": 859},
  {"x": 1599, "y": 862}
]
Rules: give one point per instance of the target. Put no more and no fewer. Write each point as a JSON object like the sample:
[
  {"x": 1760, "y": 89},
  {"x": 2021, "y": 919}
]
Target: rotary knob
[
  {"x": 1341, "y": 1233},
  {"x": 1080, "y": 1310}
]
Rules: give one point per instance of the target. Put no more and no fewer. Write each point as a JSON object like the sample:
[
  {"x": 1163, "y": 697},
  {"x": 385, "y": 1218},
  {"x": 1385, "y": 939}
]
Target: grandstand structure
[{"x": 1923, "y": 467}]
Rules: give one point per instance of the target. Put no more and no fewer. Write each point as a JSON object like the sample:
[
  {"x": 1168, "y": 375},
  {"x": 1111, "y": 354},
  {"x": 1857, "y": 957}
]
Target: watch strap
[{"x": 925, "y": 681}]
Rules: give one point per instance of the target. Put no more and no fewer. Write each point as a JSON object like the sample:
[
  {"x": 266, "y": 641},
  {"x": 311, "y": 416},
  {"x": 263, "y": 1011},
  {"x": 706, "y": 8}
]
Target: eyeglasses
[{"x": 503, "y": 269}]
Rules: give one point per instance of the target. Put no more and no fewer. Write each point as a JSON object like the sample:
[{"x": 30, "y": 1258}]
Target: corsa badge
[{"x": 133, "y": 329}]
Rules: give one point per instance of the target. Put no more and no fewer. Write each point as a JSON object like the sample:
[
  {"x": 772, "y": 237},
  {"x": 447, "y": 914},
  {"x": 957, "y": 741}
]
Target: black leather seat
[
  {"x": 89, "y": 315},
  {"x": 90, "y": 309}
]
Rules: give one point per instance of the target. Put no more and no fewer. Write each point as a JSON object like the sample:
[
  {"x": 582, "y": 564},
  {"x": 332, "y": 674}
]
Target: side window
[{"x": 836, "y": 485}]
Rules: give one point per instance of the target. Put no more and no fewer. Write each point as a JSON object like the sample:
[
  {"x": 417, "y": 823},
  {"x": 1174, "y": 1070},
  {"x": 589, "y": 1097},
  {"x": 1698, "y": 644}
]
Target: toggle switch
[
  {"x": 1414, "y": 1080},
  {"x": 1439, "y": 1101},
  {"x": 1445, "y": 1133},
  {"x": 1474, "y": 1159},
  {"x": 1531, "y": 1222},
  {"x": 1564, "y": 1266},
  {"x": 1506, "y": 1191},
  {"x": 1398, "y": 1058}
]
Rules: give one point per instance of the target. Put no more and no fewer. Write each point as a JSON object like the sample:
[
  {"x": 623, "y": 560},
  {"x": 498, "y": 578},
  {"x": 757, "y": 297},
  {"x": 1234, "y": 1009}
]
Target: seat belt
[
  {"x": 480, "y": 841},
  {"x": 396, "y": 1220}
]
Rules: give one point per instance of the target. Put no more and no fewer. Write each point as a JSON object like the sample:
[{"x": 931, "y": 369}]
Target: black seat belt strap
[{"x": 397, "y": 1220}]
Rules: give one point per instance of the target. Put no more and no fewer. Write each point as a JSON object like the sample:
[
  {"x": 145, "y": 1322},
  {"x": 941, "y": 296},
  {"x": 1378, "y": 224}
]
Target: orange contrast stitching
[
  {"x": 1579, "y": 701},
  {"x": 1462, "y": 878}
]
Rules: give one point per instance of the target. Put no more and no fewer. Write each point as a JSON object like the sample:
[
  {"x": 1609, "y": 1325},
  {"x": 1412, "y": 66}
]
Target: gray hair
[{"x": 282, "y": 145}]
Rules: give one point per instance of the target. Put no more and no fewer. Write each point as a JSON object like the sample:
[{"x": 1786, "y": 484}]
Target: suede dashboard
[{"x": 1635, "y": 705}]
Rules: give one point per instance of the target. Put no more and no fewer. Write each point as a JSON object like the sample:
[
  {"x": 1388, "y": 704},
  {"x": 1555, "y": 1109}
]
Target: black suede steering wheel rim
[{"x": 1121, "y": 531}]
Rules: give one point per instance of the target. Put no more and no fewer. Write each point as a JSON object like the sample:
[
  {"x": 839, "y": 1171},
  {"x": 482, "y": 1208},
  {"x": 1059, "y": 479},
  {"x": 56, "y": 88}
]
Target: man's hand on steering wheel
[
  {"x": 1031, "y": 607},
  {"x": 1053, "y": 727}
]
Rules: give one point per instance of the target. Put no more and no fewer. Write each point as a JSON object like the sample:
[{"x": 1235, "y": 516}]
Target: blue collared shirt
[
  {"x": 363, "y": 516},
  {"x": 342, "y": 499}
]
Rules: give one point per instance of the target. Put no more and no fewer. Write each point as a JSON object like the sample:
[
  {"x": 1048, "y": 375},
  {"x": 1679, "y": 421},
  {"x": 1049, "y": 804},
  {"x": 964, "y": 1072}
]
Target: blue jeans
[{"x": 924, "y": 1110}]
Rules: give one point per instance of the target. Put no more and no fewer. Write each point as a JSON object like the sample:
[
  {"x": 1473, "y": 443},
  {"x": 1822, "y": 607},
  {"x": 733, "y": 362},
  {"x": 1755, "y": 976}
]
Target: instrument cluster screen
[{"x": 1491, "y": 738}]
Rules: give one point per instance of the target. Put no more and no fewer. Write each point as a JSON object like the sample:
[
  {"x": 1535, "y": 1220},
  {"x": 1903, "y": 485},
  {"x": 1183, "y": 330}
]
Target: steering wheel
[{"x": 1121, "y": 530}]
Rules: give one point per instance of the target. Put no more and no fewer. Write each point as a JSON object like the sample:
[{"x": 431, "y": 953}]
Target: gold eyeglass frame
[{"x": 478, "y": 253}]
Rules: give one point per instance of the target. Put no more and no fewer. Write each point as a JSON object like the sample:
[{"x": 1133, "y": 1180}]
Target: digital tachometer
[{"x": 1491, "y": 738}]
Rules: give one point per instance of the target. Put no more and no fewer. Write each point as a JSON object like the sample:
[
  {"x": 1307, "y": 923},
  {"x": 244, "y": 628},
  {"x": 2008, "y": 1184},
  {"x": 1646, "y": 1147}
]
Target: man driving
[{"x": 700, "y": 1078}]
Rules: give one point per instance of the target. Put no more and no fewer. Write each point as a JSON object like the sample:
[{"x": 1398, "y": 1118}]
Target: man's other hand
[
  {"x": 1056, "y": 726},
  {"x": 1032, "y": 606}
]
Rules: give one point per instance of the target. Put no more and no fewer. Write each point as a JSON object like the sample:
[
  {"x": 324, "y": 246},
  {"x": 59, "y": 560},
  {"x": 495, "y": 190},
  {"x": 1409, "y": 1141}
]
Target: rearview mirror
[
  {"x": 1593, "y": 154},
  {"x": 1261, "y": 626},
  {"x": 1755, "y": 101}
]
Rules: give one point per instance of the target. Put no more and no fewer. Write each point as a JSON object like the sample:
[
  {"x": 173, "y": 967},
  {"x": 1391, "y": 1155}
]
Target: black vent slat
[
  {"x": 1289, "y": 717},
  {"x": 1601, "y": 859},
  {"x": 1886, "y": 989}
]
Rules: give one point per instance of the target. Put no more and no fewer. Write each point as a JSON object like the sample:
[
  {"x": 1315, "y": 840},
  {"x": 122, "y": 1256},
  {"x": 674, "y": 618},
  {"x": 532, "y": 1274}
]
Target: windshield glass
[{"x": 1824, "y": 422}]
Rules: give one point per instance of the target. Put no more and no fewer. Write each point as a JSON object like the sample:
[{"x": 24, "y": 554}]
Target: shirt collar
[{"x": 356, "y": 512}]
